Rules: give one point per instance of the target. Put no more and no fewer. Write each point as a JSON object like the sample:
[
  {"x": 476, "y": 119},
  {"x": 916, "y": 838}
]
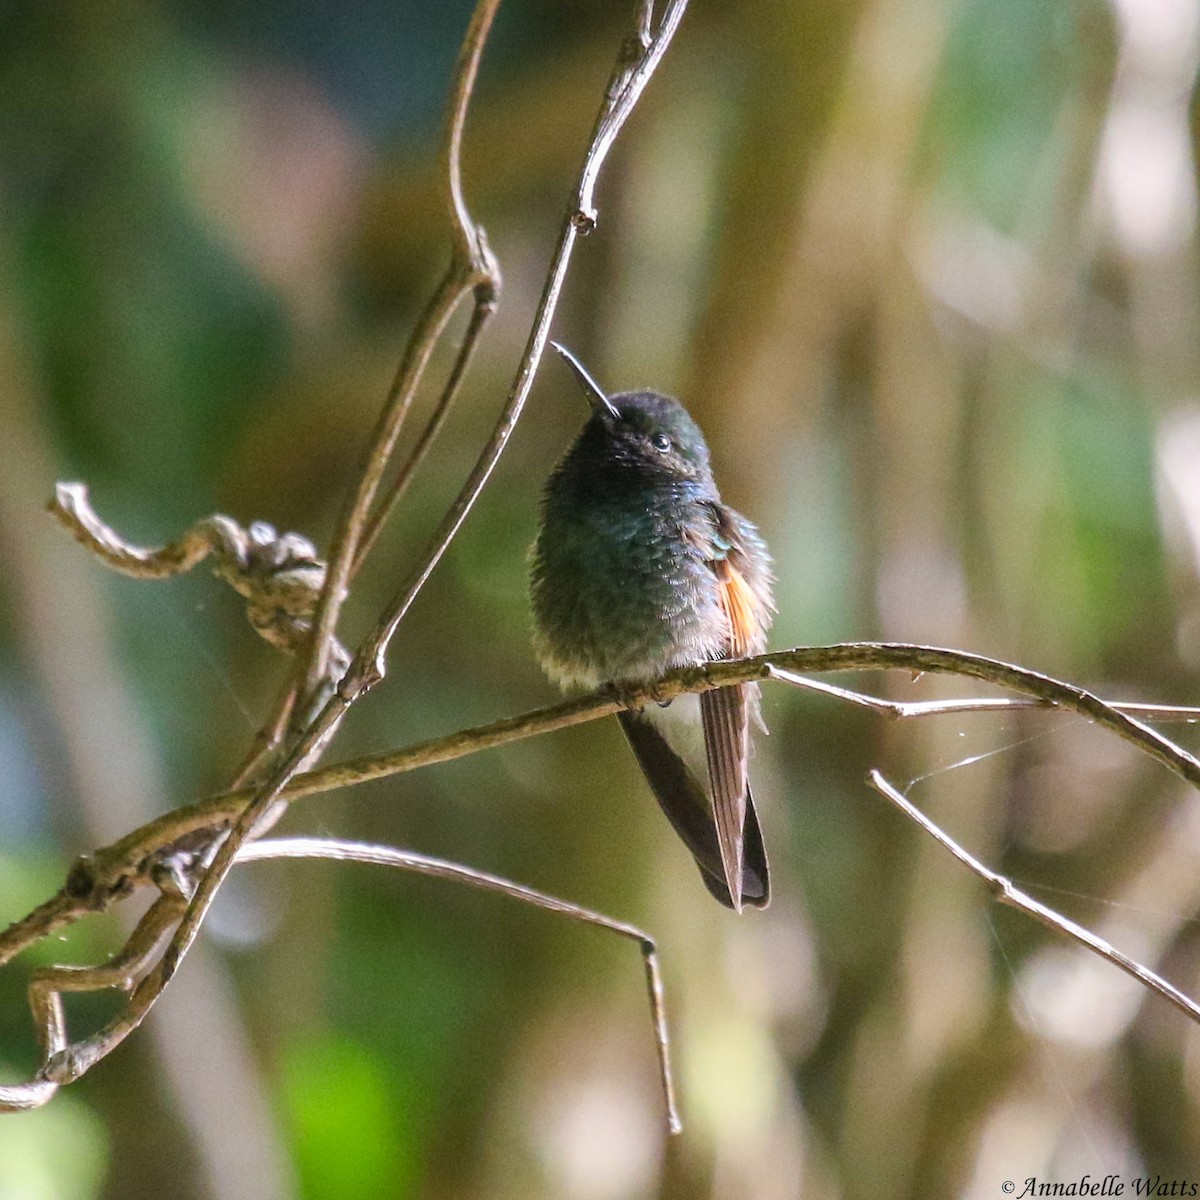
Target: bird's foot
[
  {"x": 635, "y": 696},
  {"x": 625, "y": 695}
]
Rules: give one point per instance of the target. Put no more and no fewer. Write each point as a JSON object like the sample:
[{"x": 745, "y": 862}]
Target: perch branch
[{"x": 97, "y": 880}]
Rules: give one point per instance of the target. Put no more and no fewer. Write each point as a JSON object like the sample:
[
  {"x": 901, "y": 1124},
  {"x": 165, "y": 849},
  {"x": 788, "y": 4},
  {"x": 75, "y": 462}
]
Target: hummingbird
[{"x": 639, "y": 568}]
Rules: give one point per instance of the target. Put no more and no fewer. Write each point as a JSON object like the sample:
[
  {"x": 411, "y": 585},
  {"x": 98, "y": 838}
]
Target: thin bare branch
[
  {"x": 267, "y": 741},
  {"x": 438, "y": 868},
  {"x": 63, "y": 909},
  {"x": 1006, "y": 892},
  {"x": 480, "y": 315},
  {"x": 470, "y": 242},
  {"x": 898, "y": 709},
  {"x": 25, "y": 1097},
  {"x": 903, "y": 710},
  {"x": 641, "y": 57},
  {"x": 473, "y": 268}
]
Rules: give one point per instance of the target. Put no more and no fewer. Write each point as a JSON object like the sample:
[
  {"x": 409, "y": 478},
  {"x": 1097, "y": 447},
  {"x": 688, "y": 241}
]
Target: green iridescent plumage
[{"x": 621, "y": 588}]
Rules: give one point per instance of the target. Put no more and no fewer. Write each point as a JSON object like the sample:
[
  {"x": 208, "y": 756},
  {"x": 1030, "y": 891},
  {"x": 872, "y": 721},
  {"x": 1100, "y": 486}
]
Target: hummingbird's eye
[{"x": 661, "y": 442}]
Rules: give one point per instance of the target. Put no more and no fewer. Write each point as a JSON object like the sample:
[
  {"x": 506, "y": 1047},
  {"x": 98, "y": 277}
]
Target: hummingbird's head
[{"x": 646, "y": 432}]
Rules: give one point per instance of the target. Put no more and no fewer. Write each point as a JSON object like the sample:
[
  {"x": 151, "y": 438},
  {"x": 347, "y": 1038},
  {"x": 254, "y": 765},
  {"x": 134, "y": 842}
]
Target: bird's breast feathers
[{"x": 626, "y": 593}]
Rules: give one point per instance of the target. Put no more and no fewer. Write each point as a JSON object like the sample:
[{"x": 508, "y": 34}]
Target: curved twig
[
  {"x": 1006, "y": 892},
  {"x": 219, "y": 536},
  {"x": 473, "y": 268},
  {"x": 279, "y": 575},
  {"x": 438, "y": 868}
]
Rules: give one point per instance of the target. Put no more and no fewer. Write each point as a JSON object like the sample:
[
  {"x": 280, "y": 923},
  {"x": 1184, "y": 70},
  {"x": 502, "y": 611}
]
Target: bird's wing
[{"x": 725, "y": 713}]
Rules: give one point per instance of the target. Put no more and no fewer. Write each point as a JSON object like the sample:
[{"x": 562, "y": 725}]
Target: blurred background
[{"x": 926, "y": 271}]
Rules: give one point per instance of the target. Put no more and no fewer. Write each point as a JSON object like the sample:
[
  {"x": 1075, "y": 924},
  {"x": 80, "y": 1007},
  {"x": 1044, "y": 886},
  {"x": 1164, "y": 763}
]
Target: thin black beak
[{"x": 594, "y": 392}]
